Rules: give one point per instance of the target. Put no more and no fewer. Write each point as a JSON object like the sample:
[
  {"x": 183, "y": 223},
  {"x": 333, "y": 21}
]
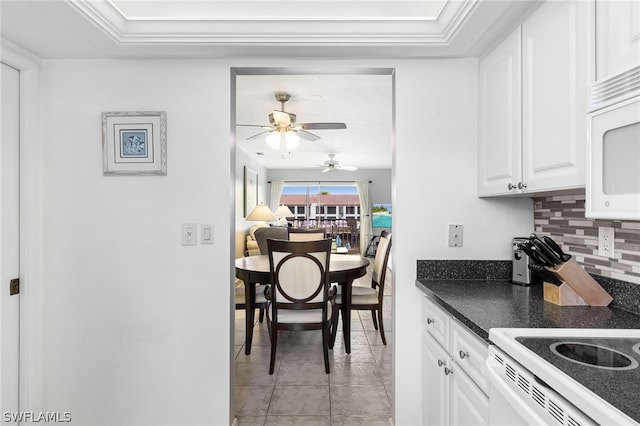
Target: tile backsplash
[{"x": 562, "y": 218}]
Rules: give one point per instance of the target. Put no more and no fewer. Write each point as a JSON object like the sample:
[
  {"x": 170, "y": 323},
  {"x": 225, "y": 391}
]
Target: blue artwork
[
  {"x": 381, "y": 216},
  {"x": 133, "y": 144}
]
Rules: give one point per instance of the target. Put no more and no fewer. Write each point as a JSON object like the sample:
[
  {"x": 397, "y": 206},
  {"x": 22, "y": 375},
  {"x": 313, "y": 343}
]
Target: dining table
[{"x": 343, "y": 270}]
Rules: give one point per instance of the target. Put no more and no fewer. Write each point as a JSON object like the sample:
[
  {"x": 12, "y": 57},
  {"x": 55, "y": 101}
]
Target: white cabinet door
[
  {"x": 469, "y": 405},
  {"x": 435, "y": 384},
  {"x": 617, "y": 37},
  {"x": 499, "y": 145},
  {"x": 554, "y": 69}
]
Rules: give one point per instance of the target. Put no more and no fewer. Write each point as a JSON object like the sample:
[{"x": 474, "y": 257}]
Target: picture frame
[
  {"x": 250, "y": 190},
  {"x": 134, "y": 143}
]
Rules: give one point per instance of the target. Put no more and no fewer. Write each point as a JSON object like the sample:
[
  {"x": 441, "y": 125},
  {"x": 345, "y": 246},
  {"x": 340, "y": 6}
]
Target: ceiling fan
[
  {"x": 283, "y": 129},
  {"x": 332, "y": 164}
]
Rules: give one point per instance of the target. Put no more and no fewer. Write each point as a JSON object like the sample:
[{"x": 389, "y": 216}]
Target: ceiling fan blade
[
  {"x": 322, "y": 126},
  {"x": 307, "y": 135},
  {"x": 258, "y": 134},
  {"x": 264, "y": 126},
  {"x": 282, "y": 118},
  {"x": 326, "y": 169}
]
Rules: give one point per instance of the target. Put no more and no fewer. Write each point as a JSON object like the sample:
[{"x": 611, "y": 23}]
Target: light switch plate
[
  {"x": 189, "y": 234},
  {"x": 206, "y": 234},
  {"x": 455, "y": 235}
]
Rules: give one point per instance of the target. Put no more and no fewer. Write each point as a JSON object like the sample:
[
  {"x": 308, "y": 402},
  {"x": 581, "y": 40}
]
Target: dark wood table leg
[
  {"x": 250, "y": 312},
  {"x": 346, "y": 314}
]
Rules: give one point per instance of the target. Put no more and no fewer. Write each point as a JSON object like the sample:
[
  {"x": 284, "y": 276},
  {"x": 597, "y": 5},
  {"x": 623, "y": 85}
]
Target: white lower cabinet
[{"x": 454, "y": 381}]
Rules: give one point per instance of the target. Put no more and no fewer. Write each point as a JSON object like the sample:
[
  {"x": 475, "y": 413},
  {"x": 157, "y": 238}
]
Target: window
[{"x": 321, "y": 200}]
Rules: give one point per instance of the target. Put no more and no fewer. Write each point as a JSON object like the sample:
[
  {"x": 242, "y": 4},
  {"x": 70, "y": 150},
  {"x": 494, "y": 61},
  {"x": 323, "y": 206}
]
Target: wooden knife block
[
  {"x": 562, "y": 295},
  {"x": 576, "y": 282}
]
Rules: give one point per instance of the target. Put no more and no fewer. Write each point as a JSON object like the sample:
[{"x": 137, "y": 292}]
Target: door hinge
[{"x": 14, "y": 286}]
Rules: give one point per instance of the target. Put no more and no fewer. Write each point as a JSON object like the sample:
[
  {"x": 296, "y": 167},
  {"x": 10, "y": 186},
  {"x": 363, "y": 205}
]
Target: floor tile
[
  {"x": 360, "y": 401},
  {"x": 302, "y": 373},
  {"x": 383, "y": 353},
  {"x": 299, "y": 401},
  {"x": 375, "y": 339},
  {"x": 252, "y": 400},
  {"x": 355, "y": 373},
  {"x": 361, "y": 421},
  {"x": 254, "y": 374},
  {"x": 298, "y": 421},
  {"x": 251, "y": 421},
  {"x": 359, "y": 353}
]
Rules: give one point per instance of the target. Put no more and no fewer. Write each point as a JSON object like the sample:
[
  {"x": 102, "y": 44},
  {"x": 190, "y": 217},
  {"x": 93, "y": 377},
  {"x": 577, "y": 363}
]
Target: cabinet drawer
[
  {"x": 436, "y": 322},
  {"x": 470, "y": 353}
]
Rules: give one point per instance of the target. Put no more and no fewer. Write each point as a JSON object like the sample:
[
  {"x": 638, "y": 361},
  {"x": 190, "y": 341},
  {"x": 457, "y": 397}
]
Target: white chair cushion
[
  {"x": 361, "y": 296},
  {"x": 301, "y": 316}
]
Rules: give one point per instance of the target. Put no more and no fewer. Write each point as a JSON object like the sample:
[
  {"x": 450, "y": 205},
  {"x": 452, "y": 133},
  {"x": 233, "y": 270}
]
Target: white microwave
[{"x": 613, "y": 183}]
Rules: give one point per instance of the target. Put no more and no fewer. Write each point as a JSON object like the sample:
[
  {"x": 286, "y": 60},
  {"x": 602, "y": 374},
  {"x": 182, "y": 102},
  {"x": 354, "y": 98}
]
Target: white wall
[
  {"x": 435, "y": 185},
  {"x": 242, "y": 226},
  {"x": 136, "y": 327}
]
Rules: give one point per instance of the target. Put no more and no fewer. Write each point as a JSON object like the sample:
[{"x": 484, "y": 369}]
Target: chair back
[
  {"x": 304, "y": 234},
  {"x": 380, "y": 262},
  {"x": 273, "y": 232},
  {"x": 299, "y": 273}
]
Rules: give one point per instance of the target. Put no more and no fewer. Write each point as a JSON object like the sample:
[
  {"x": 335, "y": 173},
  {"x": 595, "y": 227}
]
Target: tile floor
[{"x": 357, "y": 392}]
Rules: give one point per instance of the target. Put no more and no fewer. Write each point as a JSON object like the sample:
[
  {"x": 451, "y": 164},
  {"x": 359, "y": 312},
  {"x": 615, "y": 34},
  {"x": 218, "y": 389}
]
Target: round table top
[{"x": 337, "y": 263}]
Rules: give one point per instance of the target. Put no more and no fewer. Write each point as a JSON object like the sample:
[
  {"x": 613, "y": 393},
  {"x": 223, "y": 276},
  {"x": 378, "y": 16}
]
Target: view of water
[{"x": 381, "y": 220}]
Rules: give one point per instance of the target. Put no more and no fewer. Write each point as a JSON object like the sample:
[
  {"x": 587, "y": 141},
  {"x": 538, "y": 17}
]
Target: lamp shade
[
  {"x": 283, "y": 211},
  {"x": 261, "y": 213}
]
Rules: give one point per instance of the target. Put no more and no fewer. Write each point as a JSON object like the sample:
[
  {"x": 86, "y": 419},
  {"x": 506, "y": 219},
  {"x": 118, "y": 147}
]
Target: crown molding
[{"x": 400, "y": 29}]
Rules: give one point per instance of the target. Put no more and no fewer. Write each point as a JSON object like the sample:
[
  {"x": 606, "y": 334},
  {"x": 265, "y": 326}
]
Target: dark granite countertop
[{"x": 492, "y": 303}]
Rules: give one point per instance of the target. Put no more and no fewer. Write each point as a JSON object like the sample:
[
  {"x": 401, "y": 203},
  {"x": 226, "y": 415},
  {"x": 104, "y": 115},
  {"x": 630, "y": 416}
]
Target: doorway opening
[{"x": 257, "y": 396}]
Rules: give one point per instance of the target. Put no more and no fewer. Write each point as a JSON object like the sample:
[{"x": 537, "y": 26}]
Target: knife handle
[{"x": 555, "y": 247}]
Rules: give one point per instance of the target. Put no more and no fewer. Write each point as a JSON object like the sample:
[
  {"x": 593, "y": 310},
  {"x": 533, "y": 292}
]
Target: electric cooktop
[
  {"x": 597, "y": 370},
  {"x": 606, "y": 366}
]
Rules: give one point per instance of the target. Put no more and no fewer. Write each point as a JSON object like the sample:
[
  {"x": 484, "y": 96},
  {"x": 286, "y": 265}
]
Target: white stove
[{"x": 572, "y": 377}]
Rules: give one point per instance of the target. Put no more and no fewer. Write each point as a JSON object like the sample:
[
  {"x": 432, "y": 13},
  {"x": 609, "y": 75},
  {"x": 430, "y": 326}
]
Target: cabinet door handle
[
  {"x": 522, "y": 185},
  {"x": 511, "y": 186},
  {"x": 448, "y": 371},
  {"x": 430, "y": 321},
  {"x": 463, "y": 354},
  {"x": 441, "y": 363}
]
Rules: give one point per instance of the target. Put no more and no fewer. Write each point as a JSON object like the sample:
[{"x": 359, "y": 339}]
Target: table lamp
[
  {"x": 261, "y": 213},
  {"x": 283, "y": 212}
]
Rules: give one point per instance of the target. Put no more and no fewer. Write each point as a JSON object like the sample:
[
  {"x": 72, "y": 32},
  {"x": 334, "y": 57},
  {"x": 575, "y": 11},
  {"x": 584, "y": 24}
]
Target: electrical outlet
[{"x": 605, "y": 241}]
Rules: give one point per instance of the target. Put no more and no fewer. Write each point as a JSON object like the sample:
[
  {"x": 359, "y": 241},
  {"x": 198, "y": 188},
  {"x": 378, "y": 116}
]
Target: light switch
[
  {"x": 189, "y": 234},
  {"x": 206, "y": 234},
  {"x": 455, "y": 235}
]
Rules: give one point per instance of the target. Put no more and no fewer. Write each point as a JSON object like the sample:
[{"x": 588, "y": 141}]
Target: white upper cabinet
[
  {"x": 554, "y": 78},
  {"x": 616, "y": 53},
  {"x": 532, "y": 102},
  {"x": 500, "y": 130}
]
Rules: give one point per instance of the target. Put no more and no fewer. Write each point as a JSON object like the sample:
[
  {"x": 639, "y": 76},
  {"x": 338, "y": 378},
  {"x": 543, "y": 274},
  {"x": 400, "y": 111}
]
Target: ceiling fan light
[
  {"x": 291, "y": 139},
  {"x": 273, "y": 140}
]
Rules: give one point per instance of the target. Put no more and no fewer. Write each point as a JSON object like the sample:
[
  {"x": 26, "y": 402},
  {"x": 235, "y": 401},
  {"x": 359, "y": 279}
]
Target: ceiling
[
  {"x": 362, "y": 102},
  {"x": 276, "y": 28}
]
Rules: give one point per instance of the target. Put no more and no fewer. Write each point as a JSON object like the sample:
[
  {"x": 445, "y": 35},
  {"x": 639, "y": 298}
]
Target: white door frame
[{"x": 30, "y": 125}]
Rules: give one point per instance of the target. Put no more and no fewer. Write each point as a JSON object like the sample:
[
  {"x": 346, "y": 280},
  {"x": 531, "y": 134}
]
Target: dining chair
[
  {"x": 260, "y": 301},
  {"x": 368, "y": 298},
  {"x": 301, "y": 296},
  {"x": 304, "y": 234}
]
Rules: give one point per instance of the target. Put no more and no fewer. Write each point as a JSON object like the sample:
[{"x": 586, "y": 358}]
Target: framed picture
[
  {"x": 134, "y": 143},
  {"x": 250, "y": 190}
]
